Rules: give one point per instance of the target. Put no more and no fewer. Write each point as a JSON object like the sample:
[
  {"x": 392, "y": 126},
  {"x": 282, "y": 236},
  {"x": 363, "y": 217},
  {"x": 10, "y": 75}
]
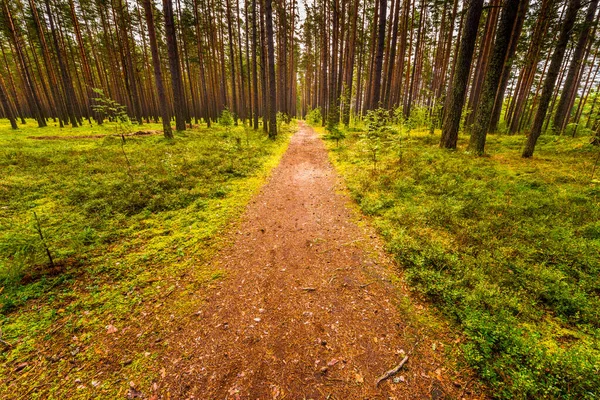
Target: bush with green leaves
[
  {"x": 314, "y": 117},
  {"x": 226, "y": 120},
  {"x": 334, "y": 132},
  {"x": 115, "y": 112},
  {"x": 376, "y": 139}
]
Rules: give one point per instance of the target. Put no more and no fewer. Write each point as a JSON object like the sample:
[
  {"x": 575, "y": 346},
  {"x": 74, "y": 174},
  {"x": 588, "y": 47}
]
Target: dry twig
[{"x": 392, "y": 371}]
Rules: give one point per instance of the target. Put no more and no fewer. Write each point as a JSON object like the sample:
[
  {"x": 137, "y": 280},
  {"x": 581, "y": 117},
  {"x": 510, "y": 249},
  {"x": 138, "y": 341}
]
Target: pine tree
[
  {"x": 456, "y": 99},
  {"x": 550, "y": 81}
]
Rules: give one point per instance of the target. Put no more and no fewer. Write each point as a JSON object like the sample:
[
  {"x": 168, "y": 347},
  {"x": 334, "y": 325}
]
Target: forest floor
[
  {"x": 132, "y": 226},
  {"x": 506, "y": 248},
  {"x": 312, "y": 307},
  {"x": 177, "y": 276}
]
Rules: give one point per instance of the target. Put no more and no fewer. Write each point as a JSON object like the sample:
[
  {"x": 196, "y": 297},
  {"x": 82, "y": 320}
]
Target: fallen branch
[
  {"x": 392, "y": 372},
  {"x": 308, "y": 289},
  {"x": 38, "y": 228},
  {"x": 367, "y": 284}
]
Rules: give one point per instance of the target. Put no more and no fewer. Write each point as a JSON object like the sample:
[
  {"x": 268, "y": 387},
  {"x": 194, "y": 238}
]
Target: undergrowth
[
  {"x": 507, "y": 248},
  {"x": 127, "y": 224}
]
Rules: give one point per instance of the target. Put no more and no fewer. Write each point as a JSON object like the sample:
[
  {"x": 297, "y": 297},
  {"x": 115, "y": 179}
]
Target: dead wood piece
[
  {"x": 392, "y": 371},
  {"x": 308, "y": 289}
]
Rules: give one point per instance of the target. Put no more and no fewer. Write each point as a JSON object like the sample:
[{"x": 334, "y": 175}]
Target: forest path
[{"x": 306, "y": 310}]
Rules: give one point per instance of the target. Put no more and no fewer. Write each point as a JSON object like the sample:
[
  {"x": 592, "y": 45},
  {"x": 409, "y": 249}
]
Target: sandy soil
[{"x": 307, "y": 309}]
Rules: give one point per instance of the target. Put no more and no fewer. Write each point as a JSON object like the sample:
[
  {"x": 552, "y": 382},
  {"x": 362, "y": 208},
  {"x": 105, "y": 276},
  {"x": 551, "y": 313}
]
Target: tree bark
[
  {"x": 6, "y": 105},
  {"x": 254, "y": 66},
  {"x": 272, "y": 83},
  {"x": 553, "y": 70},
  {"x": 499, "y": 100},
  {"x": 162, "y": 97},
  {"x": 456, "y": 100},
  {"x": 494, "y": 73},
  {"x": 572, "y": 82},
  {"x": 379, "y": 54}
]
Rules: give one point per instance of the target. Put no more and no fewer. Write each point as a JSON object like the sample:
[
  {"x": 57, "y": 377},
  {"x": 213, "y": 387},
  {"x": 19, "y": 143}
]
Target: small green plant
[
  {"x": 334, "y": 132},
  {"x": 282, "y": 118},
  {"x": 314, "y": 117},
  {"x": 377, "y": 132},
  {"x": 226, "y": 121},
  {"x": 112, "y": 110},
  {"x": 116, "y": 113}
]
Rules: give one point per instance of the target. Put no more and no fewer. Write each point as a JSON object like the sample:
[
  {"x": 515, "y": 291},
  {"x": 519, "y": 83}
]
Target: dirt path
[{"x": 307, "y": 310}]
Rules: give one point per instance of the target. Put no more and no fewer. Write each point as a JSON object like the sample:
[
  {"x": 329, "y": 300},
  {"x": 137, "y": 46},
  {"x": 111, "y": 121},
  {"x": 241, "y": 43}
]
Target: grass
[
  {"x": 507, "y": 248},
  {"x": 131, "y": 226}
]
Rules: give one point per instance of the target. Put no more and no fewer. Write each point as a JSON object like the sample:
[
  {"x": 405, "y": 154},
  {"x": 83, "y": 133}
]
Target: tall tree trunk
[
  {"x": 553, "y": 70},
  {"x": 234, "y": 108},
  {"x": 176, "y": 81},
  {"x": 254, "y": 66},
  {"x": 379, "y": 54},
  {"x": 6, "y": 105},
  {"x": 272, "y": 83},
  {"x": 58, "y": 100},
  {"x": 162, "y": 97},
  {"x": 456, "y": 100},
  {"x": 31, "y": 93},
  {"x": 392, "y": 56},
  {"x": 18, "y": 108},
  {"x": 68, "y": 89},
  {"x": 87, "y": 71},
  {"x": 202, "y": 64},
  {"x": 481, "y": 66},
  {"x": 512, "y": 48},
  {"x": 572, "y": 82},
  {"x": 349, "y": 69},
  {"x": 264, "y": 70},
  {"x": 493, "y": 75},
  {"x": 333, "y": 114}
]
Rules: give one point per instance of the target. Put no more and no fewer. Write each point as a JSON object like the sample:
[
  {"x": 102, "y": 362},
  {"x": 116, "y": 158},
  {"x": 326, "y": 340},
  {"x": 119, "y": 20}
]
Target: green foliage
[
  {"x": 115, "y": 112},
  {"x": 282, "y": 118},
  {"x": 505, "y": 247},
  {"x": 226, "y": 120},
  {"x": 419, "y": 117},
  {"x": 334, "y": 132},
  {"x": 314, "y": 117},
  {"x": 117, "y": 237},
  {"x": 377, "y": 136}
]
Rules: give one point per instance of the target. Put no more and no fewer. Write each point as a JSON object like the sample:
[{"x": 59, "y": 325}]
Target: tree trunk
[
  {"x": 572, "y": 82},
  {"x": 30, "y": 88},
  {"x": 553, "y": 70},
  {"x": 456, "y": 100},
  {"x": 379, "y": 54},
  {"x": 67, "y": 84},
  {"x": 494, "y": 73},
  {"x": 6, "y": 105},
  {"x": 272, "y": 83},
  {"x": 512, "y": 48},
  {"x": 176, "y": 81},
  {"x": 349, "y": 70},
  {"x": 162, "y": 98},
  {"x": 254, "y": 66}
]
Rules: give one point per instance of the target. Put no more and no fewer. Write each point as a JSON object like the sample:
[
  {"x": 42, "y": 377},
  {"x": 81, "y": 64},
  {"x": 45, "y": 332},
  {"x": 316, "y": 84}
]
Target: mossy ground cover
[
  {"x": 507, "y": 248},
  {"x": 130, "y": 226}
]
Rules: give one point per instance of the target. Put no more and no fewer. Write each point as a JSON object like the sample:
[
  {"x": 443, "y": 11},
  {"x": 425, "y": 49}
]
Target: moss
[
  {"x": 507, "y": 248},
  {"x": 124, "y": 235}
]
